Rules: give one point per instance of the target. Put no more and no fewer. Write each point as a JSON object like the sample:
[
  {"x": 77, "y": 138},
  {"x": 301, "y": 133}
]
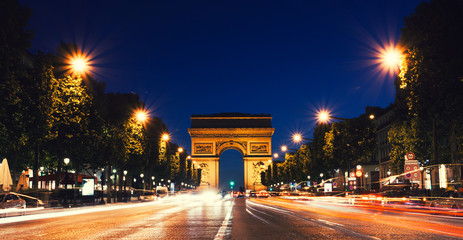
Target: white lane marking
[
  {"x": 221, "y": 233},
  {"x": 433, "y": 230},
  {"x": 254, "y": 215},
  {"x": 330, "y": 223}
]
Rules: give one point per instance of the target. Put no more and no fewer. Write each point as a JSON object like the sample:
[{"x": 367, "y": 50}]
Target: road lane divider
[{"x": 223, "y": 229}]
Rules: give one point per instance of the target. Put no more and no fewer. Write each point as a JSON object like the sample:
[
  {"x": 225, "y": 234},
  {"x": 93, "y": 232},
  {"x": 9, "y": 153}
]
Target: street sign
[
  {"x": 88, "y": 186},
  {"x": 410, "y": 156},
  {"x": 352, "y": 174},
  {"x": 328, "y": 187},
  {"x": 358, "y": 173}
]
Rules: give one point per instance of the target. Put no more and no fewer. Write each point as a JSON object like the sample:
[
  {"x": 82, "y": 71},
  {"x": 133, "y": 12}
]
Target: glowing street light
[
  {"x": 165, "y": 137},
  {"x": 141, "y": 116},
  {"x": 324, "y": 116},
  {"x": 284, "y": 148},
  {"x": 78, "y": 63},
  {"x": 275, "y": 155},
  {"x": 297, "y": 138},
  {"x": 390, "y": 58},
  {"x": 180, "y": 149}
]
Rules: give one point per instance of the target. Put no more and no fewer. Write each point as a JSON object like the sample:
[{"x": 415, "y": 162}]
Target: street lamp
[
  {"x": 125, "y": 185},
  {"x": 389, "y": 178},
  {"x": 114, "y": 177},
  {"x": 324, "y": 116},
  {"x": 141, "y": 116},
  {"x": 366, "y": 180},
  {"x": 284, "y": 148},
  {"x": 165, "y": 137},
  {"x": 180, "y": 149},
  {"x": 297, "y": 138},
  {"x": 103, "y": 182},
  {"x": 389, "y": 58},
  {"x": 142, "y": 180},
  {"x": 78, "y": 63},
  {"x": 66, "y": 180}
]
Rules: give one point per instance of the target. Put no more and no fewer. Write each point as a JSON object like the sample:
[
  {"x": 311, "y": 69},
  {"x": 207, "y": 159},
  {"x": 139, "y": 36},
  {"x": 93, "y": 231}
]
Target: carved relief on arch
[
  {"x": 241, "y": 146},
  {"x": 260, "y": 147}
]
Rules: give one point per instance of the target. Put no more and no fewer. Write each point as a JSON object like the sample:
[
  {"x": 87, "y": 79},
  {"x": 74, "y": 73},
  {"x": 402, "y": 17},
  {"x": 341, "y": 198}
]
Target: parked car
[
  {"x": 11, "y": 201},
  {"x": 450, "y": 200},
  {"x": 148, "y": 196}
]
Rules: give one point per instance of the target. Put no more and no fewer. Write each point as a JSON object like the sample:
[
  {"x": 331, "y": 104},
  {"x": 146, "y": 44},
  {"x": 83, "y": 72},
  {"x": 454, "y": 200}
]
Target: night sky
[{"x": 284, "y": 58}]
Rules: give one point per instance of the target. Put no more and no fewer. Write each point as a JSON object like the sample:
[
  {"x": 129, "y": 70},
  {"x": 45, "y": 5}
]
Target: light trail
[
  {"x": 92, "y": 209},
  {"x": 363, "y": 215}
]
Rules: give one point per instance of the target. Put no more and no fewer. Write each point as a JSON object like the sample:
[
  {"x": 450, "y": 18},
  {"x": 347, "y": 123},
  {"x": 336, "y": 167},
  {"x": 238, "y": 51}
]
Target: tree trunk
[
  {"x": 35, "y": 170},
  {"x": 453, "y": 150}
]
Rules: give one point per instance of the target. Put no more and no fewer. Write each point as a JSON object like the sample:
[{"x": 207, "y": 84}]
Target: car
[
  {"x": 148, "y": 196},
  {"x": 11, "y": 201},
  {"x": 450, "y": 200},
  {"x": 262, "y": 194}
]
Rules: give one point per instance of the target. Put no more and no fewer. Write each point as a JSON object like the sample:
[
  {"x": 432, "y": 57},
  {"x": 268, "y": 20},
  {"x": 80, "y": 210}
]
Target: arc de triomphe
[{"x": 250, "y": 134}]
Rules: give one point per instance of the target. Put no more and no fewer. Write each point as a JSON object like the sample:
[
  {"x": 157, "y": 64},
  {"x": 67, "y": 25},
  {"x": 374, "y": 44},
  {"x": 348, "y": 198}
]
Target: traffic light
[{"x": 232, "y": 183}]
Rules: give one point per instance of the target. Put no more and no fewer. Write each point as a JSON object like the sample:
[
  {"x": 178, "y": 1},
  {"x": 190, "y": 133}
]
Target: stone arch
[
  {"x": 224, "y": 146},
  {"x": 251, "y": 135}
]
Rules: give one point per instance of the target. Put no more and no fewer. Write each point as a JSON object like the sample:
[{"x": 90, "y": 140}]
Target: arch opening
[{"x": 231, "y": 169}]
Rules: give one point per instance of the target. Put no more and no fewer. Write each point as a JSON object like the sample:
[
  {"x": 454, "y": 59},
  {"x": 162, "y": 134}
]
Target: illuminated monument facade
[{"x": 249, "y": 134}]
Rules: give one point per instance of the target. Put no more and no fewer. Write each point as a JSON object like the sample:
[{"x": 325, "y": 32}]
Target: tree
[
  {"x": 431, "y": 78},
  {"x": 404, "y": 137},
  {"x": 15, "y": 39}
]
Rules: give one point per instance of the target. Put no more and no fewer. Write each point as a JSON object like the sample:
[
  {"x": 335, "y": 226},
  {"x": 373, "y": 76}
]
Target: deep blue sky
[{"x": 285, "y": 58}]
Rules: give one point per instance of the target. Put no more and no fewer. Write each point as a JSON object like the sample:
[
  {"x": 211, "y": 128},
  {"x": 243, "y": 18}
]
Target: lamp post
[
  {"x": 115, "y": 184},
  {"x": 389, "y": 179},
  {"x": 66, "y": 179},
  {"x": 103, "y": 181},
  {"x": 366, "y": 180},
  {"x": 125, "y": 185},
  {"x": 321, "y": 176},
  {"x": 359, "y": 174},
  {"x": 142, "y": 180}
]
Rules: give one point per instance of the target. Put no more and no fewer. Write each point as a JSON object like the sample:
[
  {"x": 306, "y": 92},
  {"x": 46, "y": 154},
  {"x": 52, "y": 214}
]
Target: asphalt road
[{"x": 211, "y": 217}]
